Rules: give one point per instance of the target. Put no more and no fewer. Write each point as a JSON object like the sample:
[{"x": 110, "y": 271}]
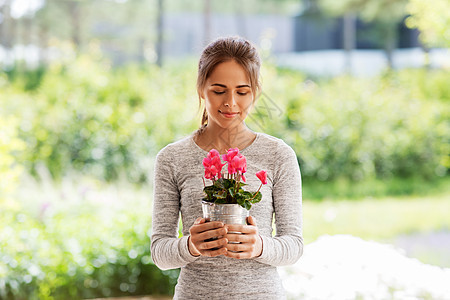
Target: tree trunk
[
  {"x": 44, "y": 60},
  {"x": 74, "y": 12},
  {"x": 426, "y": 54},
  {"x": 7, "y": 26},
  {"x": 240, "y": 19},
  {"x": 207, "y": 22},
  {"x": 27, "y": 30},
  {"x": 349, "y": 39},
  {"x": 390, "y": 43},
  {"x": 2, "y": 24},
  {"x": 8, "y": 33},
  {"x": 160, "y": 30}
]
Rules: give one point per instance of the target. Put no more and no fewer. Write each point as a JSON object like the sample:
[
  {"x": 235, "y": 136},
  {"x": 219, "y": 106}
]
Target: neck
[{"x": 222, "y": 139}]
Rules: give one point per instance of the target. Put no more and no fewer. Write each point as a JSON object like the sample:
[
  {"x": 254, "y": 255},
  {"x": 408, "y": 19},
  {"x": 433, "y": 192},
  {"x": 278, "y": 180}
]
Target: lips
[{"x": 228, "y": 114}]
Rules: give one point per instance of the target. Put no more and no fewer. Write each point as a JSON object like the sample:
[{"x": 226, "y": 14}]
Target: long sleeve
[
  {"x": 178, "y": 191},
  {"x": 167, "y": 250},
  {"x": 287, "y": 245}
]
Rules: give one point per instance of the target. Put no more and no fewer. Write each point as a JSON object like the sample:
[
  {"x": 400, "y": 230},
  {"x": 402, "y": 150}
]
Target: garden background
[{"x": 90, "y": 91}]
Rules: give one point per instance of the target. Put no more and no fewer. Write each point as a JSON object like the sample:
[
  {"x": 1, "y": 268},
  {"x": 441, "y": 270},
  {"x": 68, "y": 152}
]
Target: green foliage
[
  {"x": 229, "y": 191},
  {"x": 10, "y": 144},
  {"x": 101, "y": 121},
  {"x": 343, "y": 188},
  {"x": 432, "y": 18},
  {"x": 395, "y": 125},
  {"x": 77, "y": 252},
  {"x": 107, "y": 122}
]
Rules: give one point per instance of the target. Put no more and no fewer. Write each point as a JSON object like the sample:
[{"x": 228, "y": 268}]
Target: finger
[
  {"x": 241, "y": 228},
  {"x": 205, "y": 226},
  {"x": 241, "y": 238},
  {"x": 238, "y": 255},
  {"x": 251, "y": 221},
  {"x": 220, "y": 232},
  {"x": 199, "y": 220},
  {"x": 220, "y": 243},
  {"x": 240, "y": 247},
  {"x": 213, "y": 253}
]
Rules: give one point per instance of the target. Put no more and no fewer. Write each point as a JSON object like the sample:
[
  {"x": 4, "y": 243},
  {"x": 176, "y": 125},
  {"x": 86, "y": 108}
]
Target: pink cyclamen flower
[
  {"x": 231, "y": 153},
  {"x": 243, "y": 178},
  {"x": 237, "y": 165},
  {"x": 213, "y": 165},
  {"x": 213, "y": 153},
  {"x": 262, "y": 175}
]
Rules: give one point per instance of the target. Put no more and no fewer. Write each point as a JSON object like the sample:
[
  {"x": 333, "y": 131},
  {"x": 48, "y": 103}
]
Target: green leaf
[
  {"x": 219, "y": 183},
  {"x": 209, "y": 191},
  {"x": 247, "y": 205},
  {"x": 228, "y": 183},
  {"x": 221, "y": 201},
  {"x": 247, "y": 195},
  {"x": 222, "y": 194},
  {"x": 258, "y": 197}
]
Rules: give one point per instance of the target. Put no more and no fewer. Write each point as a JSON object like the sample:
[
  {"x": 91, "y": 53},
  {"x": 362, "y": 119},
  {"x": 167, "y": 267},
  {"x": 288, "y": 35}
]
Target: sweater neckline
[{"x": 246, "y": 149}]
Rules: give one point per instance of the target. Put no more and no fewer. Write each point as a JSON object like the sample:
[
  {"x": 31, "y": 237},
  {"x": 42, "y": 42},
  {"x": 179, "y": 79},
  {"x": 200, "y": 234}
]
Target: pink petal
[{"x": 262, "y": 175}]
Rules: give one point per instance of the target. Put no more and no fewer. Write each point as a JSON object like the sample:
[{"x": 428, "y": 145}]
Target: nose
[{"x": 230, "y": 101}]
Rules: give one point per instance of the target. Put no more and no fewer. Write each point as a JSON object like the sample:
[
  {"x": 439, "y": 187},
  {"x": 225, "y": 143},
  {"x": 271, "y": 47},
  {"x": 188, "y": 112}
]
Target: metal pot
[{"x": 226, "y": 213}]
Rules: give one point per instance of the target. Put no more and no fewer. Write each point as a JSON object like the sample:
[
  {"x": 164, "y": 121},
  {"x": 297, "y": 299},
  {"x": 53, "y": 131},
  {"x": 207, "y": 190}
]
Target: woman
[{"x": 228, "y": 84}]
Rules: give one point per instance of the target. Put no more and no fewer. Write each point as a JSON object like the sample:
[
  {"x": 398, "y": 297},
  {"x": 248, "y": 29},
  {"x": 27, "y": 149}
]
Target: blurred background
[{"x": 91, "y": 90}]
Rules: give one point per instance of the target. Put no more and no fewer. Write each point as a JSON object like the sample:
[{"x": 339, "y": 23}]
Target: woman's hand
[
  {"x": 200, "y": 234},
  {"x": 250, "y": 242}
]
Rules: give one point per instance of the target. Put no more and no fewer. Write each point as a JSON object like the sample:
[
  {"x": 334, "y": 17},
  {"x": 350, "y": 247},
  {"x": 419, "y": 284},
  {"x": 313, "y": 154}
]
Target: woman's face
[{"x": 228, "y": 95}]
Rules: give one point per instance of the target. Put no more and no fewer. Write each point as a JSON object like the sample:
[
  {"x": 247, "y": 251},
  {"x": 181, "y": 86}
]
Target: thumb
[
  {"x": 199, "y": 221},
  {"x": 251, "y": 221}
]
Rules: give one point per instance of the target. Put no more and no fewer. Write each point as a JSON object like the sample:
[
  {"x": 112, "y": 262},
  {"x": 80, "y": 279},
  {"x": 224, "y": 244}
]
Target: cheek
[
  {"x": 210, "y": 105},
  {"x": 247, "y": 105}
]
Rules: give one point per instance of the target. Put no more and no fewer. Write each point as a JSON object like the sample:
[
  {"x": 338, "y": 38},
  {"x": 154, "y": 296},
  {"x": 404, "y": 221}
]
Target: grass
[
  {"x": 382, "y": 219},
  {"x": 376, "y": 188},
  {"x": 376, "y": 219},
  {"x": 419, "y": 219}
]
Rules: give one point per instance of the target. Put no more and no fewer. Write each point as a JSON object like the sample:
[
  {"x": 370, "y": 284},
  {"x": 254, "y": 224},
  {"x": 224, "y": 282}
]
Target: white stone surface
[{"x": 347, "y": 267}]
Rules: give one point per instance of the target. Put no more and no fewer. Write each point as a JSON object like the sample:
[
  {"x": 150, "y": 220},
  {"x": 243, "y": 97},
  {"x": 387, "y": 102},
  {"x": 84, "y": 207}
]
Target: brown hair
[{"x": 224, "y": 49}]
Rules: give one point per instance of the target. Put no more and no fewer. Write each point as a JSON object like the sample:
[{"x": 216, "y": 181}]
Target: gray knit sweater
[{"x": 178, "y": 189}]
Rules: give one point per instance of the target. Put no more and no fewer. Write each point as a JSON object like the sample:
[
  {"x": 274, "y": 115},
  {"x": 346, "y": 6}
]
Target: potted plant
[{"x": 225, "y": 200}]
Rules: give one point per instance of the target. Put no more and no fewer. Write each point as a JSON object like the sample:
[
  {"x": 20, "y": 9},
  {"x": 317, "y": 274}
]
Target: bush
[
  {"x": 107, "y": 122},
  {"x": 79, "y": 251},
  {"x": 10, "y": 145},
  {"x": 359, "y": 128},
  {"x": 100, "y": 121}
]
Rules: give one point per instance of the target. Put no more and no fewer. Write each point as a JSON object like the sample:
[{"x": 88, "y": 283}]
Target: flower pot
[{"x": 226, "y": 213}]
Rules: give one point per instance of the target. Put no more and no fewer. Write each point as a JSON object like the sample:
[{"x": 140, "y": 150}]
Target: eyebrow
[{"x": 224, "y": 86}]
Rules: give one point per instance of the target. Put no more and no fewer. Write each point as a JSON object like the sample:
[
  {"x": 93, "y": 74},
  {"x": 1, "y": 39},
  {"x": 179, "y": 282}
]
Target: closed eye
[
  {"x": 219, "y": 93},
  {"x": 242, "y": 94}
]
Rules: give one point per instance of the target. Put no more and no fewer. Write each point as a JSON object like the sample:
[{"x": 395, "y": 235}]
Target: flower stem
[
  {"x": 256, "y": 192},
  {"x": 237, "y": 182}
]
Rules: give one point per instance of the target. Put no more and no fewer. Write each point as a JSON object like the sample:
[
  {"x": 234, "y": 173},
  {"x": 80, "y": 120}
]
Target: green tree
[
  {"x": 432, "y": 18},
  {"x": 386, "y": 13}
]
